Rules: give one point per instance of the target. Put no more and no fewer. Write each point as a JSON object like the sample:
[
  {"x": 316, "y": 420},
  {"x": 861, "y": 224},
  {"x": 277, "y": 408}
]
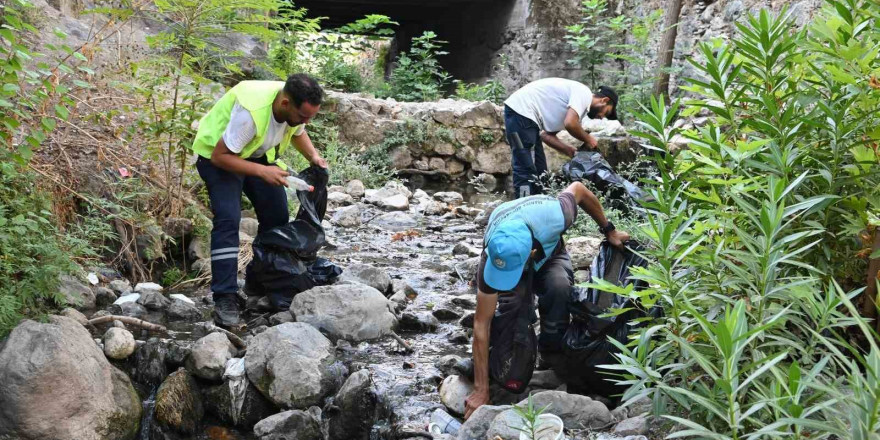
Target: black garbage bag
[
  {"x": 285, "y": 258},
  {"x": 586, "y": 343},
  {"x": 591, "y": 166},
  {"x": 513, "y": 345}
]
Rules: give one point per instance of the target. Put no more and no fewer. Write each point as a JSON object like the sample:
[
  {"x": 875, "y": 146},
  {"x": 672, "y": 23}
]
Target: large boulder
[
  {"x": 208, "y": 357},
  {"x": 76, "y": 293},
  {"x": 289, "y": 364},
  {"x": 576, "y": 411},
  {"x": 369, "y": 275},
  {"x": 354, "y": 312},
  {"x": 354, "y": 408},
  {"x": 179, "y": 403},
  {"x": 494, "y": 160},
  {"x": 477, "y": 426},
  {"x": 291, "y": 425},
  {"x": 57, "y": 384}
]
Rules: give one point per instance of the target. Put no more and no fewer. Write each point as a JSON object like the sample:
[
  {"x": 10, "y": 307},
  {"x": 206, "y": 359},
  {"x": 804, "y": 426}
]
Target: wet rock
[
  {"x": 179, "y": 403},
  {"x": 118, "y": 343},
  {"x": 152, "y": 300},
  {"x": 465, "y": 249},
  {"x": 434, "y": 207},
  {"x": 453, "y": 392},
  {"x": 545, "y": 380},
  {"x": 289, "y": 364},
  {"x": 477, "y": 426},
  {"x": 147, "y": 287},
  {"x": 57, "y": 384},
  {"x": 468, "y": 268},
  {"x": 368, "y": 275},
  {"x": 150, "y": 368},
  {"x": 485, "y": 183},
  {"x": 291, "y": 425},
  {"x": 129, "y": 308},
  {"x": 403, "y": 288},
  {"x": 254, "y": 407},
  {"x": 467, "y": 321},
  {"x": 347, "y": 217},
  {"x": 465, "y": 302},
  {"x": 390, "y": 189},
  {"x": 446, "y": 314},
  {"x": 339, "y": 199},
  {"x": 418, "y": 322},
  {"x": 576, "y": 411},
  {"x": 182, "y": 311},
  {"x": 178, "y": 352},
  {"x": 446, "y": 363},
  {"x": 355, "y": 312},
  {"x": 176, "y": 227},
  {"x": 75, "y": 293},
  {"x": 120, "y": 287},
  {"x": 355, "y": 188},
  {"x": 482, "y": 218},
  {"x": 505, "y": 425},
  {"x": 354, "y": 408},
  {"x": 281, "y": 318},
  {"x": 104, "y": 296},
  {"x": 582, "y": 251},
  {"x": 397, "y": 202},
  {"x": 75, "y": 315},
  {"x": 633, "y": 426},
  {"x": 249, "y": 226},
  {"x": 208, "y": 357},
  {"x": 394, "y": 221},
  {"x": 449, "y": 197},
  {"x": 459, "y": 337}
]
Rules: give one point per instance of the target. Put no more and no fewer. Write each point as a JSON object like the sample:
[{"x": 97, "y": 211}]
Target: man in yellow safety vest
[{"x": 239, "y": 144}]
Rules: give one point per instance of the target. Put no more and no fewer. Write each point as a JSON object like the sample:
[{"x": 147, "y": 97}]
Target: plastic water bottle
[
  {"x": 445, "y": 422},
  {"x": 299, "y": 184}
]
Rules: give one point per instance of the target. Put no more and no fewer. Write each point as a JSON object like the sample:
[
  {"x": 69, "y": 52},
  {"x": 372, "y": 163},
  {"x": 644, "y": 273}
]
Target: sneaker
[{"x": 226, "y": 311}]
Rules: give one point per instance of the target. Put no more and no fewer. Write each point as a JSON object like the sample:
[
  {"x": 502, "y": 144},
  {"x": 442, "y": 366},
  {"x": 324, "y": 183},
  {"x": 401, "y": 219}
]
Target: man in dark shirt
[{"x": 524, "y": 235}]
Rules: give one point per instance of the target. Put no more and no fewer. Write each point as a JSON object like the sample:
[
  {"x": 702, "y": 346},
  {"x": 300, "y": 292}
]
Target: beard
[{"x": 593, "y": 113}]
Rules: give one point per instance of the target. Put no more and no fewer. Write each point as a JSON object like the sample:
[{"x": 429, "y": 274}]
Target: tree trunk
[{"x": 667, "y": 48}]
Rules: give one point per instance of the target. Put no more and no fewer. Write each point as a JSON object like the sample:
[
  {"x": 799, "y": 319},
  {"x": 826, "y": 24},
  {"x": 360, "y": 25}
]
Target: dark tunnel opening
[{"x": 474, "y": 29}]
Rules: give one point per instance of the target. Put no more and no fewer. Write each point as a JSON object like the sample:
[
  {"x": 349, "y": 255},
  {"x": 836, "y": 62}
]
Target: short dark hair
[
  {"x": 611, "y": 94},
  {"x": 303, "y": 88}
]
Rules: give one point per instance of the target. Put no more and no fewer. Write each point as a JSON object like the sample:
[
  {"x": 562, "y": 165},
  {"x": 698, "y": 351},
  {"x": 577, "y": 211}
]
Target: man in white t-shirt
[
  {"x": 535, "y": 113},
  {"x": 239, "y": 143}
]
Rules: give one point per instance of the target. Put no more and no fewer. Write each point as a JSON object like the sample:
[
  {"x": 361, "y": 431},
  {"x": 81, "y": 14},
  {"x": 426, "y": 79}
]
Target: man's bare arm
[
  {"x": 589, "y": 203},
  {"x": 573, "y": 126},
  {"x": 224, "y": 159},
  {"x": 554, "y": 142},
  {"x": 486, "y": 303}
]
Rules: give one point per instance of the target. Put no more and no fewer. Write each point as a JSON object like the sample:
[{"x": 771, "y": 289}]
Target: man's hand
[
  {"x": 592, "y": 142},
  {"x": 319, "y": 161},
  {"x": 274, "y": 176},
  {"x": 477, "y": 399},
  {"x": 617, "y": 238}
]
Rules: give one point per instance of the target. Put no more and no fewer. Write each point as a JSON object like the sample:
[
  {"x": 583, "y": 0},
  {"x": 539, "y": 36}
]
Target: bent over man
[
  {"x": 539, "y": 110},
  {"x": 239, "y": 143},
  {"x": 523, "y": 251}
]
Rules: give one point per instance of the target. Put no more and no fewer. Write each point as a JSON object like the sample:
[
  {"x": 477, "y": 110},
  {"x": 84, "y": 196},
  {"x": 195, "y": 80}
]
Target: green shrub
[
  {"x": 753, "y": 231},
  {"x": 31, "y": 252},
  {"x": 492, "y": 91},
  {"x": 418, "y": 75}
]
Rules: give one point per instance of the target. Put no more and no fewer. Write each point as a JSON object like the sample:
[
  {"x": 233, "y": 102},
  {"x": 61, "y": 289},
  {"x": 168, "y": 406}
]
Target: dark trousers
[
  {"x": 529, "y": 161},
  {"x": 224, "y": 190}
]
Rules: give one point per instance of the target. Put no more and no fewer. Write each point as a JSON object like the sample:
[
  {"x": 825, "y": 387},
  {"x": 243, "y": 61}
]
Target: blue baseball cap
[{"x": 507, "y": 253}]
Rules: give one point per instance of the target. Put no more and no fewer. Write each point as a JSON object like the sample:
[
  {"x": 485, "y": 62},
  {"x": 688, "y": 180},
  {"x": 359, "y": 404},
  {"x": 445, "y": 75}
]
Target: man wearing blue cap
[{"x": 524, "y": 251}]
